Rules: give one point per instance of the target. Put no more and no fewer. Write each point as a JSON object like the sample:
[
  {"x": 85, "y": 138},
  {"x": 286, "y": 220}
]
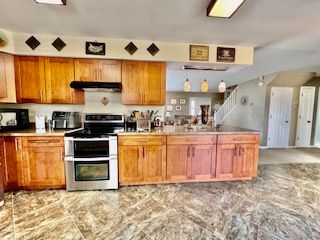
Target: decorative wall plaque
[
  {"x": 153, "y": 49},
  {"x": 199, "y": 53},
  {"x": 226, "y": 54},
  {"x": 32, "y": 42},
  {"x": 59, "y": 44},
  {"x": 131, "y": 48},
  {"x": 95, "y": 48}
]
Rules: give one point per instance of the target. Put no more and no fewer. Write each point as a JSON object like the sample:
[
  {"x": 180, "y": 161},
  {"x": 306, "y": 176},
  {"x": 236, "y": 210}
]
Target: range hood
[{"x": 96, "y": 86}]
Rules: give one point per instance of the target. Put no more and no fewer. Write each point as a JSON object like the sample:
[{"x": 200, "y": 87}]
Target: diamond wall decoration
[
  {"x": 131, "y": 48},
  {"x": 153, "y": 49},
  {"x": 32, "y": 42},
  {"x": 59, "y": 44}
]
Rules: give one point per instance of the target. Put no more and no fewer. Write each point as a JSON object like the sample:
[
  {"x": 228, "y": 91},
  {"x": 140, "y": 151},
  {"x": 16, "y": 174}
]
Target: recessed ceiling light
[
  {"x": 57, "y": 2},
  {"x": 223, "y": 8}
]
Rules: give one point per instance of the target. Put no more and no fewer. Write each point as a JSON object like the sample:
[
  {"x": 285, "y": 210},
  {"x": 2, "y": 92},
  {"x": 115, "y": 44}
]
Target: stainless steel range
[{"x": 91, "y": 154}]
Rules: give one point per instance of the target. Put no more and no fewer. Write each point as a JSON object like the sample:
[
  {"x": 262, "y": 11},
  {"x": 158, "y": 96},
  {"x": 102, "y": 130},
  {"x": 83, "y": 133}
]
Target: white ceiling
[{"x": 285, "y": 32}]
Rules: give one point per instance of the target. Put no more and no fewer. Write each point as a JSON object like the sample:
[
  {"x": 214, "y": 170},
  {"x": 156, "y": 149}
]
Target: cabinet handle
[
  {"x": 143, "y": 152},
  {"x": 100, "y": 74},
  {"x": 41, "y": 96},
  {"x": 193, "y": 152},
  {"x": 17, "y": 144},
  {"x": 188, "y": 151},
  {"x": 236, "y": 151}
]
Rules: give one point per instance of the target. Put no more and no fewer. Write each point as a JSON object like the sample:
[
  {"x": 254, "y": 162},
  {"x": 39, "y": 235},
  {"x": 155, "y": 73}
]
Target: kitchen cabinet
[
  {"x": 59, "y": 75},
  {"x": 237, "y": 156},
  {"x": 93, "y": 70},
  {"x": 43, "y": 162},
  {"x": 191, "y": 157},
  {"x": 142, "y": 159},
  {"x": 7, "y": 79},
  {"x": 143, "y": 83},
  {"x": 30, "y": 79},
  {"x": 46, "y": 80},
  {"x": 10, "y": 157}
]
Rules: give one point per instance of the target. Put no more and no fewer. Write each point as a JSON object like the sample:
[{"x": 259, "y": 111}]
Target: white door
[
  {"x": 279, "y": 117},
  {"x": 305, "y": 116}
]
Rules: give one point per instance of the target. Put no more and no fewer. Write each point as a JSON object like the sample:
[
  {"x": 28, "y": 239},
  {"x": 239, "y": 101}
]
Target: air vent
[{"x": 205, "y": 68}]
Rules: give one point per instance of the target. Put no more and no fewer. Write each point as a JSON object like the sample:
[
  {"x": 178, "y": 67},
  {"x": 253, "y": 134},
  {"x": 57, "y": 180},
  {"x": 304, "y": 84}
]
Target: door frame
[{"x": 317, "y": 127}]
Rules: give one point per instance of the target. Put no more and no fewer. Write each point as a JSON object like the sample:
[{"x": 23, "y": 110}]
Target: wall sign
[
  {"x": 199, "y": 53},
  {"x": 226, "y": 54},
  {"x": 95, "y": 48}
]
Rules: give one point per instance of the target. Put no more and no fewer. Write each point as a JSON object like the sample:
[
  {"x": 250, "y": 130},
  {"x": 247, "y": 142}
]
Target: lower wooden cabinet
[
  {"x": 32, "y": 162},
  {"x": 237, "y": 161},
  {"x": 191, "y": 162},
  {"x": 43, "y": 162},
  {"x": 142, "y": 160}
]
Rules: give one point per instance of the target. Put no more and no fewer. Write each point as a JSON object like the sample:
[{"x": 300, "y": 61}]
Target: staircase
[{"x": 227, "y": 107}]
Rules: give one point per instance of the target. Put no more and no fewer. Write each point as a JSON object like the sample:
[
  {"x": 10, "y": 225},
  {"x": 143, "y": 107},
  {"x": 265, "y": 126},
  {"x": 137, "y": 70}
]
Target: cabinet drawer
[
  {"x": 252, "y": 138},
  {"x": 142, "y": 140},
  {"x": 42, "y": 141},
  {"x": 191, "y": 139}
]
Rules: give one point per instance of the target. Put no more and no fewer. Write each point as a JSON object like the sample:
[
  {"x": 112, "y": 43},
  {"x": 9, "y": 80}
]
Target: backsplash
[{"x": 92, "y": 105}]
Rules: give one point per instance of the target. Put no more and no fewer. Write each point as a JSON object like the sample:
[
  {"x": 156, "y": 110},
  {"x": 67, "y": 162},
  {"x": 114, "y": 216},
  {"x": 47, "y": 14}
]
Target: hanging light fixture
[
  {"x": 222, "y": 86},
  {"x": 204, "y": 86},
  {"x": 261, "y": 81},
  {"x": 187, "y": 85}
]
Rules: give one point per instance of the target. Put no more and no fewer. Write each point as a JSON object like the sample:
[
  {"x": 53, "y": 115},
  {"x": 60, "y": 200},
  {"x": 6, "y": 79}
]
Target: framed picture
[
  {"x": 178, "y": 108},
  {"x": 95, "y": 48},
  {"x": 169, "y": 108},
  {"x": 226, "y": 54},
  {"x": 199, "y": 53},
  {"x": 173, "y": 101},
  {"x": 182, "y": 101}
]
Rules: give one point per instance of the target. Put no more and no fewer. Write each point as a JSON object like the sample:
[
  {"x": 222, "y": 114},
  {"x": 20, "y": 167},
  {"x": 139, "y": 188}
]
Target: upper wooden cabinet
[
  {"x": 143, "y": 83},
  {"x": 46, "y": 80},
  {"x": 97, "y": 70},
  {"x": 30, "y": 79},
  {"x": 7, "y": 79}
]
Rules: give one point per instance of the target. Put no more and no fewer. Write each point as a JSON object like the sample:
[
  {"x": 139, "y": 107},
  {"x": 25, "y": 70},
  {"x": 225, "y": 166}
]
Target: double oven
[{"x": 91, "y": 160}]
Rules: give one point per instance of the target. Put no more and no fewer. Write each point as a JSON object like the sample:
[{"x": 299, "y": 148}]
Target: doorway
[
  {"x": 305, "y": 116},
  {"x": 279, "y": 117}
]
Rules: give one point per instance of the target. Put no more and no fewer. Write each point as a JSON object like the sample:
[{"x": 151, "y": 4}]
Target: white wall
[{"x": 92, "y": 105}]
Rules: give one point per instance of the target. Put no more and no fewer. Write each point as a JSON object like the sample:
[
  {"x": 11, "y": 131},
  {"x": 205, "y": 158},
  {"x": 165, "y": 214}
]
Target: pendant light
[
  {"x": 222, "y": 86},
  {"x": 204, "y": 86},
  {"x": 187, "y": 85}
]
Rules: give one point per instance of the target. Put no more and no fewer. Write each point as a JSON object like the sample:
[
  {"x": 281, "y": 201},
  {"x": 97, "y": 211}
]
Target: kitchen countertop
[
  {"x": 32, "y": 133},
  {"x": 180, "y": 130}
]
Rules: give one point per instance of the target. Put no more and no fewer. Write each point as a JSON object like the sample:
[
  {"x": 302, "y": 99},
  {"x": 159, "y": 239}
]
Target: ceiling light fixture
[
  {"x": 57, "y": 2},
  {"x": 222, "y": 86},
  {"x": 223, "y": 8},
  {"x": 261, "y": 81},
  {"x": 204, "y": 86},
  {"x": 187, "y": 85}
]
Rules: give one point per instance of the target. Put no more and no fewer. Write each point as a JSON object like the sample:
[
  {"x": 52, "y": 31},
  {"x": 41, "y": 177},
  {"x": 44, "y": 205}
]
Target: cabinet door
[
  {"x": 130, "y": 164},
  {"x": 203, "y": 161},
  {"x": 3, "y": 81},
  {"x": 59, "y": 74},
  {"x": 132, "y": 74},
  {"x": 86, "y": 70},
  {"x": 178, "y": 162},
  {"x": 248, "y": 155},
  {"x": 43, "y": 163},
  {"x": 7, "y": 79},
  {"x": 154, "y": 92},
  {"x": 30, "y": 79},
  {"x": 226, "y": 161},
  {"x": 154, "y": 164},
  {"x": 10, "y": 161},
  {"x": 2, "y": 163},
  {"x": 110, "y": 71}
]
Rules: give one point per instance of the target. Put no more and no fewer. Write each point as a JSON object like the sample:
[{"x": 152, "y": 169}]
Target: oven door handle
[
  {"x": 97, "y": 159},
  {"x": 93, "y": 139}
]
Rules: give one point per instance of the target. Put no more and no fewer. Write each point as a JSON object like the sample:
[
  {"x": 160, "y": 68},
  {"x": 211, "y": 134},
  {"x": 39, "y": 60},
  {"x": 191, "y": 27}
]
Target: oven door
[
  {"x": 91, "y": 173},
  {"x": 91, "y": 147}
]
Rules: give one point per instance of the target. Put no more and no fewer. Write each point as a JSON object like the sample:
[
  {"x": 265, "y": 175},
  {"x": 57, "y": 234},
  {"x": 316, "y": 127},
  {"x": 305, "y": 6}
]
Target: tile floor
[{"x": 282, "y": 203}]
